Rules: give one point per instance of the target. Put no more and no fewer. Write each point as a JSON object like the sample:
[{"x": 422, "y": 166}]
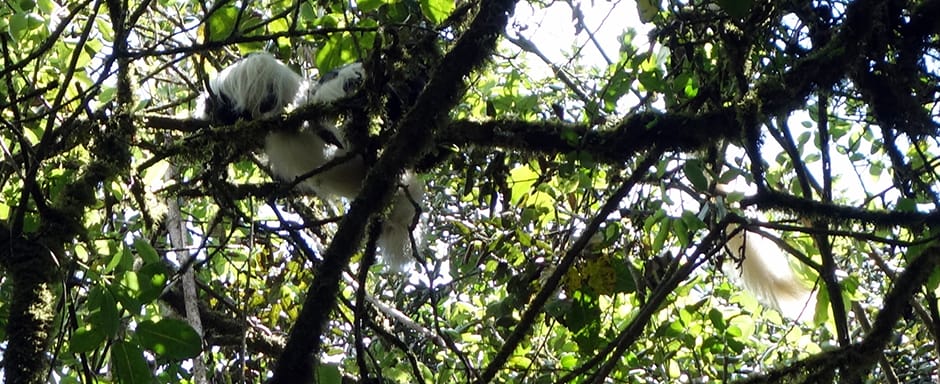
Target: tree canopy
[{"x": 580, "y": 193}]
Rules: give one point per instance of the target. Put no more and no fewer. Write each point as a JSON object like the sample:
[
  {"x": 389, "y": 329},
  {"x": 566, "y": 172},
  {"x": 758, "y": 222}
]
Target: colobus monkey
[
  {"x": 765, "y": 271},
  {"x": 260, "y": 86},
  {"x": 256, "y": 87}
]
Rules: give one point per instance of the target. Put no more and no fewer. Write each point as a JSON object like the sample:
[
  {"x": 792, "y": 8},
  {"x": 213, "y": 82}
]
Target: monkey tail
[
  {"x": 401, "y": 231},
  {"x": 765, "y": 271}
]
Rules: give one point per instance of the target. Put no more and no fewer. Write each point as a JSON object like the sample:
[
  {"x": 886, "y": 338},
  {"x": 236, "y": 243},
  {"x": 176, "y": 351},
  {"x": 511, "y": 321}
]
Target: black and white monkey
[{"x": 260, "y": 86}]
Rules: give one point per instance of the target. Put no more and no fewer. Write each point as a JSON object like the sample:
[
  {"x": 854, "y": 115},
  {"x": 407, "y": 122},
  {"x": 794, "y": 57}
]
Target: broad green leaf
[
  {"x": 691, "y": 87},
  {"x": 664, "y": 229},
  {"x": 369, "y": 5},
  {"x": 47, "y": 6},
  {"x": 682, "y": 232},
  {"x": 279, "y": 25},
  {"x": 18, "y": 25},
  {"x": 696, "y": 173},
  {"x": 170, "y": 338},
  {"x": 436, "y": 10},
  {"x": 329, "y": 374},
  {"x": 647, "y": 9},
  {"x": 307, "y": 13},
  {"x": 519, "y": 361},
  {"x": 906, "y": 205},
  {"x": 338, "y": 50},
  {"x": 220, "y": 24},
  {"x": 521, "y": 180},
  {"x": 151, "y": 279},
  {"x": 127, "y": 361},
  {"x": 624, "y": 282},
  {"x": 717, "y": 319},
  {"x": 569, "y": 362},
  {"x": 582, "y": 313},
  {"x": 86, "y": 339},
  {"x": 27, "y": 5},
  {"x": 116, "y": 259},
  {"x": 103, "y": 311},
  {"x": 146, "y": 251},
  {"x": 127, "y": 291},
  {"x": 651, "y": 80}
]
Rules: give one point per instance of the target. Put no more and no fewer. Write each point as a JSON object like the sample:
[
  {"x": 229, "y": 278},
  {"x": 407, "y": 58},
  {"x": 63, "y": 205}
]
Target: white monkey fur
[
  {"x": 766, "y": 272},
  {"x": 241, "y": 83},
  {"x": 293, "y": 154}
]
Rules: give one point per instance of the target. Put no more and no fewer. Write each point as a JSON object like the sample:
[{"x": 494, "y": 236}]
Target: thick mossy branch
[
  {"x": 227, "y": 331},
  {"x": 823, "y": 67},
  {"x": 801, "y": 207},
  {"x": 29, "y": 260},
  {"x": 32, "y": 311},
  {"x": 672, "y": 132}
]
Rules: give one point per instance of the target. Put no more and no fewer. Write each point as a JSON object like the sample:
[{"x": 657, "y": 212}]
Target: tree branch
[{"x": 414, "y": 137}]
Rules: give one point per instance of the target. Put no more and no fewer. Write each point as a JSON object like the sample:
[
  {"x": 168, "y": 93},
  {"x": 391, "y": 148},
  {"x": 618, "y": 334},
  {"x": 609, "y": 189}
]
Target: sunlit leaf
[
  {"x": 220, "y": 24},
  {"x": 170, "y": 338},
  {"x": 436, "y": 10},
  {"x": 647, "y": 9}
]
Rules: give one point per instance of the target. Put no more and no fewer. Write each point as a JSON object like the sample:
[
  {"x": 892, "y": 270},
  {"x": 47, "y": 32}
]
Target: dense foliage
[{"x": 579, "y": 193}]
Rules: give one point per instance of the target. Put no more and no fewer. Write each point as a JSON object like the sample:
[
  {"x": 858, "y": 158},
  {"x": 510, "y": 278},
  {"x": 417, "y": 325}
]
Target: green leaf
[
  {"x": 116, "y": 258},
  {"x": 18, "y": 25},
  {"x": 127, "y": 291},
  {"x": 129, "y": 365},
  {"x": 103, "y": 311},
  {"x": 146, "y": 251},
  {"x": 717, "y": 319},
  {"x": 651, "y": 80},
  {"x": 46, "y": 6},
  {"x": 151, "y": 279},
  {"x": 27, "y": 5},
  {"x": 307, "y": 13},
  {"x": 569, "y": 362},
  {"x": 906, "y": 205},
  {"x": 660, "y": 239},
  {"x": 86, "y": 339},
  {"x": 691, "y": 87},
  {"x": 338, "y": 50},
  {"x": 647, "y": 9},
  {"x": 624, "y": 279},
  {"x": 328, "y": 374},
  {"x": 220, "y": 24},
  {"x": 437, "y": 10},
  {"x": 696, "y": 174},
  {"x": 682, "y": 232},
  {"x": 369, "y": 5},
  {"x": 171, "y": 338},
  {"x": 521, "y": 180}
]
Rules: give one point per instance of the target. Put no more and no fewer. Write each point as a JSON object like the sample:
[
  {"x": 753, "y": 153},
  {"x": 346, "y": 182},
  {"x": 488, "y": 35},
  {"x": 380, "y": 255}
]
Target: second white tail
[{"x": 765, "y": 271}]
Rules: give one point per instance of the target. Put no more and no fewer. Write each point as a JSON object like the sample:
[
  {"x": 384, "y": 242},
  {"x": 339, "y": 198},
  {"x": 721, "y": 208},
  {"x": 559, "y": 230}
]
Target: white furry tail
[
  {"x": 766, "y": 272},
  {"x": 293, "y": 154},
  {"x": 395, "y": 240}
]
